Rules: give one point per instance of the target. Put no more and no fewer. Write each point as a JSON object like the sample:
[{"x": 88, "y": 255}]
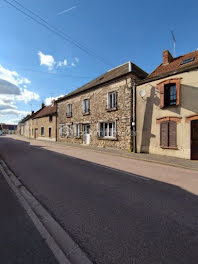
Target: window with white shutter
[
  {"x": 107, "y": 130},
  {"x": 112, "y": 101}
]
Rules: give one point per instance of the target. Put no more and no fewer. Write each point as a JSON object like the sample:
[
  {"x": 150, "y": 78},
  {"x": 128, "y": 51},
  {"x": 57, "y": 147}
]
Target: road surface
[{"x": 115, "y": 217}]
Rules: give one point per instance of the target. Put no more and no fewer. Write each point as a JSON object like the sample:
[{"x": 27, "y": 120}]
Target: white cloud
[
  {"x": 14, "y": 112},
  {"x": 62, "y": 63},
  {"x": 73, "y": 64},
  {"x": 13, "y": 88},
  {"x": 66, "y": 10},
  {"x": 77, "y": 59},
  {"x": 14, "y": 121},
  {"x": 47, "y": 60},
  {"x": 49, "y": 100},
  {"x": 27, "y": 96},
  {"x": 51, "y": 63}
]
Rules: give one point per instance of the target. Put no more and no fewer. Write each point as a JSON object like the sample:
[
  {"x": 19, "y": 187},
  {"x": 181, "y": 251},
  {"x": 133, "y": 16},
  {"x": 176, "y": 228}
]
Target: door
[
  {"x": 36, "y": 133},
  {"x": 194, "y": 140},
  {"x": 86, "y": 134},
  {"x": 50, "y": 132}
]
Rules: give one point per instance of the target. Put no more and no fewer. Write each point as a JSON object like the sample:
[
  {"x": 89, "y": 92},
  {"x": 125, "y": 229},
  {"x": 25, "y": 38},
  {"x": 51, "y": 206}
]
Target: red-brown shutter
[
  {"x": 178, "y": 89},
  {"x": 164, "y": 134},
  {"x": 172, "y": 134},
  {"x": 161, "y": 95}
]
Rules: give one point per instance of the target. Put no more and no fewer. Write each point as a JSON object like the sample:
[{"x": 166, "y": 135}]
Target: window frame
[
  {"x": 77, "y": 130},
  {"x": 50, "y": 118},
  {"x": 86, "y": 108},
  {"x": 161, "y": 88},
  {"x": 69, "y": 110},
  {"x": 112, "y": 99},
  {"x": 104, "y": 130},
  {"x": 43, "y": 134}
]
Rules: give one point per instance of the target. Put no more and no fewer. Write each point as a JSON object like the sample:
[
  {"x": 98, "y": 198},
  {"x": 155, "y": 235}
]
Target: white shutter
[
  {"x": 75, "y": 130},
  {"x": 108, "y": 105}
]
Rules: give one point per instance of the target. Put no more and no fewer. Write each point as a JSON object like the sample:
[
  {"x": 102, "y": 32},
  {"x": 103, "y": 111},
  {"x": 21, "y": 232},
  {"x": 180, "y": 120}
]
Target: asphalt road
[
  {"x": 20, "y": 241},
  {"x": 115, "y": 217}
]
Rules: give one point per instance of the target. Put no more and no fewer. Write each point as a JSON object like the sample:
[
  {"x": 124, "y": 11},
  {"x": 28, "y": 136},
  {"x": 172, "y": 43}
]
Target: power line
[{"x": 54, "y": 30}]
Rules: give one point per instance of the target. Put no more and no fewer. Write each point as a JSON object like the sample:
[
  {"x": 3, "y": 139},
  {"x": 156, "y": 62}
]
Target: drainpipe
[{"x": 134, "y": 118}]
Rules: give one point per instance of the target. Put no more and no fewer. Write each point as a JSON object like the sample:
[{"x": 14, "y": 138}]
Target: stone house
[
  {"x": 167, "y": 108},
  {"x": 100, "y": 113},
  {"x": 44, "y": 123}
]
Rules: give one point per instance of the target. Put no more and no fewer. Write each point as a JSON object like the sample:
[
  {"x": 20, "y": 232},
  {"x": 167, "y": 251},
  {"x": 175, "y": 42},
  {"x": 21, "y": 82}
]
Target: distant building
[
  {"x": 8, "y": 129},
  {"x": 44, "y": 123}
]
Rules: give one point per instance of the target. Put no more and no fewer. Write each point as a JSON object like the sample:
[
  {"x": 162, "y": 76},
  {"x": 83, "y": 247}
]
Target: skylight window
[{"x": 187, "y": 60}]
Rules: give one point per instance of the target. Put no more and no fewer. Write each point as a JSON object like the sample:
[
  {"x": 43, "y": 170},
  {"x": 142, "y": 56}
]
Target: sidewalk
[
  {"x": 20, "y": 242},
  {"x": 160, "y": 159}
]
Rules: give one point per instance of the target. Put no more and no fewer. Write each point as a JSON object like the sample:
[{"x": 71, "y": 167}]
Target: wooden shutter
[
  {"x": 172, "y": 134},
  {"x": 161, "y": 87},
  {"x": 178, "y": 88},
  {"x": 164, "y": 134}
]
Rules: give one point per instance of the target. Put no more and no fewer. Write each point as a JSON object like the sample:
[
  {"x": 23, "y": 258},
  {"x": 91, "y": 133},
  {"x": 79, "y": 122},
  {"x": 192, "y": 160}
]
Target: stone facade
[
  {"x": 44, "y": 124},
  {"x": 121, "y": 115}
]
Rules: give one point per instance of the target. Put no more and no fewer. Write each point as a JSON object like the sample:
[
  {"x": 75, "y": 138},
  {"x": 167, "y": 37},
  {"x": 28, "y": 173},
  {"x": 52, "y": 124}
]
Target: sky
[{"x": 37, "y": 65}]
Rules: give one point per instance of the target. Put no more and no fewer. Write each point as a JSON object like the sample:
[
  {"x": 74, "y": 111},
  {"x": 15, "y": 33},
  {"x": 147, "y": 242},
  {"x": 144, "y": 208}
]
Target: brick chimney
[
  {"x": 167, "y": 57},
  {"x": 32, "y": 112},
  {"x": 42, "y": 105}
]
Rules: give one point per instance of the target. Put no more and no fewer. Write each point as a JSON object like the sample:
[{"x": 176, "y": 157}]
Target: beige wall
[
  {"x": 148, "y": 131},
  {"x": 98, "y": 113},
  {"x": 44, "y": 122}
]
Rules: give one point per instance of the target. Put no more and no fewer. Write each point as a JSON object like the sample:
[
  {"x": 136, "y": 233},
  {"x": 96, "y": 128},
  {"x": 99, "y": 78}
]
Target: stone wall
[{"x": 98, "y": 113}]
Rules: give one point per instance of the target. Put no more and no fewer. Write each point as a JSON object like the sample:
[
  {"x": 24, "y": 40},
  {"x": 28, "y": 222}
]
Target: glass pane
[{"x": 110, "y": 129}]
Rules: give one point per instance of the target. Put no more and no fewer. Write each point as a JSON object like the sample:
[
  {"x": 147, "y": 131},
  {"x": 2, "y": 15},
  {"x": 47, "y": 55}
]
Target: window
[
  {"x": 50, "y": 118},
  {"x": 168, "y": 134},
  {"x": 69, "y": 110},
  {"x": 107, "y": 130},
  {"x": 76, "y": 130},
  {"x": 69, "y": 130},
  {"x": 42, "y": 131},
  {"x": 187, "y": 60},
  {"x": 112, "y": 100},
  {"x": 170, "y": 94},
  {"x": 86, "y": 108}
]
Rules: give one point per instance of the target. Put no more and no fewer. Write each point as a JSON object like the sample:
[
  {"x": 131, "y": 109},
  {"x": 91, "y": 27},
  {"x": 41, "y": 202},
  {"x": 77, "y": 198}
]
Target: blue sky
[{"x": 117, "y": 31}]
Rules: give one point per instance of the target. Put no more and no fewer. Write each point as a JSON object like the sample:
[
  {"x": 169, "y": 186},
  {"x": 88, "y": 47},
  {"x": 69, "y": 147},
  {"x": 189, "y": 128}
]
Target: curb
[{"x": 65, "y": 250}]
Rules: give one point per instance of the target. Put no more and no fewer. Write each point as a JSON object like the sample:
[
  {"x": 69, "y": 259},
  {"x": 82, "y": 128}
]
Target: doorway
[
  {"x": 86, "y": 134},
  {"x": 36, "y": 133},
  {"x": 194, "y": 139},
  {"x": 50, "y": 132}
]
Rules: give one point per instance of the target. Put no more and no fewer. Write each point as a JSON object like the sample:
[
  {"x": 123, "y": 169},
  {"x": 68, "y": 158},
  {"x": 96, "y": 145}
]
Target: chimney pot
[
  {"x": 42, "y": 105},
  {"x": 167, "y": 57}
]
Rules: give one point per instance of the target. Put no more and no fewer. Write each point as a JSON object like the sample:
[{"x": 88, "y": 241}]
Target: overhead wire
[{"x": 54, "y": 30}]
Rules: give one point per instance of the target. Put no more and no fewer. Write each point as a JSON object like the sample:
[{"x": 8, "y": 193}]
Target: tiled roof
[
  {"x": 108, "y": 76},
  {"x": 175, "y": 64},
  {"x": 46, "y": 111}
]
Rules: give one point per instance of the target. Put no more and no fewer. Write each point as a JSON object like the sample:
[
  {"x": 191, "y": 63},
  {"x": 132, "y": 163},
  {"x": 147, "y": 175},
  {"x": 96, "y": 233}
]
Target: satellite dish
[{"x": 142, "y": 93}]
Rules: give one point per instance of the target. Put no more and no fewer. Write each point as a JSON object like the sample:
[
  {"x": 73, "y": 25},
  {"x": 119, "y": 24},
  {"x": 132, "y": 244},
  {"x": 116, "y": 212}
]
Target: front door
[
  {"x": 50, "y": 132},
  {"x": 86, "y": 134},
  {"x": 194, "y": 140},
  {"x": 36, "y": 133}
]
